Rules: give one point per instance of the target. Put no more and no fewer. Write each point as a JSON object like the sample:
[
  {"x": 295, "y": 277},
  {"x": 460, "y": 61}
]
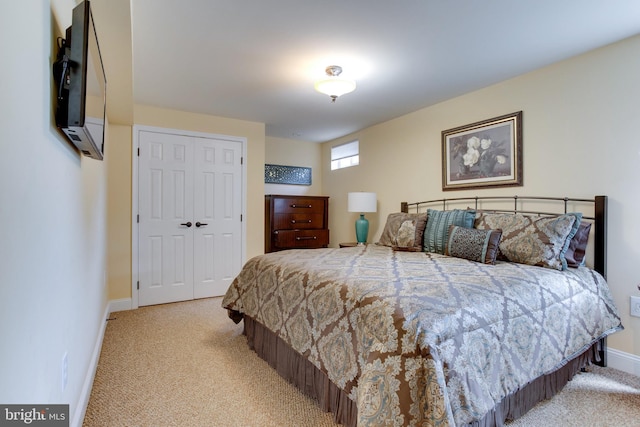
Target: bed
[{"x": 466, "y": 312}]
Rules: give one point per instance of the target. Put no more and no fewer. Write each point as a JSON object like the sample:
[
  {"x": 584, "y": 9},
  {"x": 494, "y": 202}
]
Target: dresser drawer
[
  {"x": 293, "y": 221},
  {"x": 301, "y": 238},
  {"x": 298, "y": 205}
]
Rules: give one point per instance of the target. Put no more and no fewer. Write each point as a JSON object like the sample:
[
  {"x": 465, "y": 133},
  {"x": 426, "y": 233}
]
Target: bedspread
[{"x": 423, "y": 339}]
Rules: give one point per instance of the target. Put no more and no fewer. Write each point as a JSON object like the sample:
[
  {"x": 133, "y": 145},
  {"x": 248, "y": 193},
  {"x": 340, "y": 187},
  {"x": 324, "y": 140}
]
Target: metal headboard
[{"x": 598, "y": 215}]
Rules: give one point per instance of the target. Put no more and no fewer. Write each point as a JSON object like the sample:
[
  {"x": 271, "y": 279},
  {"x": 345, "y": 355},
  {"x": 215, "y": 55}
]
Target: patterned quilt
[{"x": 423, "y": 339}]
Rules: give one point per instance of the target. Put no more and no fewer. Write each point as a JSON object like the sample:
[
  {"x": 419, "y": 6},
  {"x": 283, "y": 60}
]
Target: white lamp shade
[
  {"x": 335, "y": 86},
  {"x": 362, "y": 202}
]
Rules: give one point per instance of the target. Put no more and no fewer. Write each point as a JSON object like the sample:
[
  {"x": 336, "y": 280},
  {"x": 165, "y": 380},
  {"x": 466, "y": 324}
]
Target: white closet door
[
  {"x": 190, "y": 205},
  {"x": 218, "y": 206},
  {"x": 166, "y": 215}
]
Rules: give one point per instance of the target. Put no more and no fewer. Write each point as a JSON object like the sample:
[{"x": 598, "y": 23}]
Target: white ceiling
[{"x": 257, "y": 60}]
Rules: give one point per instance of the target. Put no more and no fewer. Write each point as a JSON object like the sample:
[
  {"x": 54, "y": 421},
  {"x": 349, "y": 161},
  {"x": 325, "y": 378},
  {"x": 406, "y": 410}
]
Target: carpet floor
[{"x": 187, "y": 364}]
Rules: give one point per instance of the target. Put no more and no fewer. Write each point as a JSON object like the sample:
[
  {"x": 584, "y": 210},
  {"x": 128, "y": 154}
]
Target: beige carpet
[{"x": 187, "y": 364}]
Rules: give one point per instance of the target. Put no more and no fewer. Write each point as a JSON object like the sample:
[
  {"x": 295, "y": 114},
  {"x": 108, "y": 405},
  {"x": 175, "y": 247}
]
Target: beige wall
[
  {"x": 119, "y": 247},
  {"x": 289, "y": 152},
  {"x": 118, "y": 149},
  {"x": 580, "y": 140}
]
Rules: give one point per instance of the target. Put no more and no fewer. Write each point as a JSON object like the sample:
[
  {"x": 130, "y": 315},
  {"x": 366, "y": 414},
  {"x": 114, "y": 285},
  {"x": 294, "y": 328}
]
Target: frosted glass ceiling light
[{"x": 333, "y": 85}]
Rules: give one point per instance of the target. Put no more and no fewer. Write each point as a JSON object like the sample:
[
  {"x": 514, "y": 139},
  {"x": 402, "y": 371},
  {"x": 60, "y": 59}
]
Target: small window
[{"x": 345, "y": 155}]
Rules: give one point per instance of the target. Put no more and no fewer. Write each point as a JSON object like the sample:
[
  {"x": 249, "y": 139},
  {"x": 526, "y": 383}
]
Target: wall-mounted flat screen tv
[{"x": 81, "y": 84}]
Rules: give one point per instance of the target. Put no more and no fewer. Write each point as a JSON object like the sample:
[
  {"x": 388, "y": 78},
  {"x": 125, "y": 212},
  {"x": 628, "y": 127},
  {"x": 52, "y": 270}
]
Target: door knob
[
  {"x": 186, "y": 224},
  {"x": 201, "y": 224}
]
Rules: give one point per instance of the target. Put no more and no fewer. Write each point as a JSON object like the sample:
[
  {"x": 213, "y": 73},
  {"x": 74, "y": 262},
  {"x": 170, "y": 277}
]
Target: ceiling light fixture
[{"x": 333, "y": 85}]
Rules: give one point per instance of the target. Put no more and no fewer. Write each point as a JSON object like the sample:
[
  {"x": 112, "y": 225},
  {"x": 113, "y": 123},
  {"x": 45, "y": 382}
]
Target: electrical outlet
[
  {"x": 635, "y": 306},
  {"x": 65, "y": 370}
]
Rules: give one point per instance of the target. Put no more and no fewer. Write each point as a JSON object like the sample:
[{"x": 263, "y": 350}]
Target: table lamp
[{"x": 362, "y": 202}]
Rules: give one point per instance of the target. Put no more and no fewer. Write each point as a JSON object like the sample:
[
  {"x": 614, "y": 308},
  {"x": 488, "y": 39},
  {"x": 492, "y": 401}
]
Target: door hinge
[
  {"x": 138, "y": 151},
  {"x": 242, "y": 160},
  {"x": 138, "y": 285},
  {"x": 240, "y": 217},
  {"x": 138, "y": 218}
]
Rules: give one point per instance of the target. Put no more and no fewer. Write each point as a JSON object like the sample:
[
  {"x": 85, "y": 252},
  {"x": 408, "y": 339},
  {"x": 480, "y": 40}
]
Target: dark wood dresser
[{"x": 295, "y": 222}]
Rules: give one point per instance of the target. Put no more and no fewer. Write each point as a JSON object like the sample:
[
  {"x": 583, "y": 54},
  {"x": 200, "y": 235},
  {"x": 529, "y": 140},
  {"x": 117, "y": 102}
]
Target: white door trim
[{"x": 134, "y": 194}]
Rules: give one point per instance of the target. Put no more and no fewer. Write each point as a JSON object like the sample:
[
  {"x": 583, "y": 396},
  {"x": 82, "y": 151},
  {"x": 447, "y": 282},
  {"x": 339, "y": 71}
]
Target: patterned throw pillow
[
  {"x": 577, "y": 249},
  {"x": 438, "y": 222},
  {"x": 473, "y": 244},
  {"x": 541, "y": 241},
  {"x": 403, "y": 230}
]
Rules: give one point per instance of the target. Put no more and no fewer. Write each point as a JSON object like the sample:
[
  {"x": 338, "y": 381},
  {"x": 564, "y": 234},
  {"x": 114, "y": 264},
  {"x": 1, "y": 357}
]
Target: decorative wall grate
[{"x": 278, "y": 174}]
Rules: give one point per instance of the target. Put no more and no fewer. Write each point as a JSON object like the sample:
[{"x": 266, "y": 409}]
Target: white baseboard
[
  {"x": 626, "y": 362},
  {"x": 122, "y": 304},
  {"x": 83, "y": 401}
]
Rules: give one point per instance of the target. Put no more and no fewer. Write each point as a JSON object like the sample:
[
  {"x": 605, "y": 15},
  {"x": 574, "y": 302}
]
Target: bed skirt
[{"x": 314, "y": 383}]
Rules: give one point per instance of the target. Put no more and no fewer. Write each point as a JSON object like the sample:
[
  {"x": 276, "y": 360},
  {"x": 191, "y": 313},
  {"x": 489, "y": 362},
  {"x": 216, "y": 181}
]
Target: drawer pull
[
  {"x": 305, "y": 221},
  {"x": 307, "y": 238},
  {"x": 300, "y": 206}
]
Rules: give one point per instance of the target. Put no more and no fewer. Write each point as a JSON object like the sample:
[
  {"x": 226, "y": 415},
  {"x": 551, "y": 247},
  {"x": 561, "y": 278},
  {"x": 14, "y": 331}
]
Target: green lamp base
[{"x": 362, "y": 229}]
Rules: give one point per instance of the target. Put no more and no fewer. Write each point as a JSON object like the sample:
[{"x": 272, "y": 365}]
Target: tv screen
[{"x": 82, "y": 85}]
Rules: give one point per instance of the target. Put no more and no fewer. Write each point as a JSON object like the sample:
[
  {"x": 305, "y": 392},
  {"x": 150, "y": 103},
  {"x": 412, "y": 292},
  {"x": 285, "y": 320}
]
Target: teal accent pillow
[{"x": 438, "y": 222}]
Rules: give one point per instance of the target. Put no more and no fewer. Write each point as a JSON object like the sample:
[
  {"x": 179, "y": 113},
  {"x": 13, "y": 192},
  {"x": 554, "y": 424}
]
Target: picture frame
[{"x": 483, "y": 154}]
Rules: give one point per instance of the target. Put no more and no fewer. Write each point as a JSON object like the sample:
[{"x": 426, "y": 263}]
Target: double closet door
[{"x": 189, "y": 206}]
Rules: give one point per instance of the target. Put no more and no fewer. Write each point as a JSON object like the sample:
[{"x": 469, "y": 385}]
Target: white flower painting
[{"x": 483, "y": 154}]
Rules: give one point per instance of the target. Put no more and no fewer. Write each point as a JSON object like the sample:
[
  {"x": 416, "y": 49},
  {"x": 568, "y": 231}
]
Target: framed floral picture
[{"x": 483, "y": 154}]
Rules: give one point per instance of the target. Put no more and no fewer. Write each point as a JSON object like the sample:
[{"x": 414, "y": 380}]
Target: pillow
[
  {"x": 541, "y": 241},
  {"x": 403, "y": 230},
  {"x": 473, "y": 244},
  {"x": 438, "y": 222},
  {"x": 406, "y": 248},
  {"x": 577, "y": 249}
]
